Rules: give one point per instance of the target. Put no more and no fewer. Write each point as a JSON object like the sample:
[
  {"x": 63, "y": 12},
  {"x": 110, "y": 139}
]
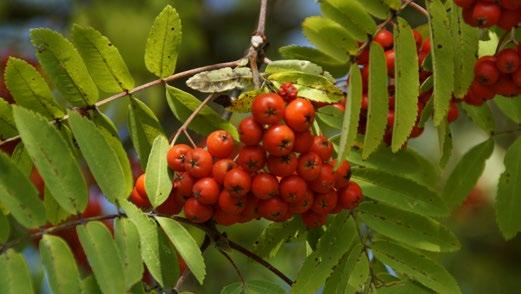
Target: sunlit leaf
[{"x": 59, "y": 264}]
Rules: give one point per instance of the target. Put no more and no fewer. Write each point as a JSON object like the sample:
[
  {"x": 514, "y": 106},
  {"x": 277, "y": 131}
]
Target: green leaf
[
  {"x": 55, "y": 213},
  {"x": 163, "y": 43},
  {"x": 158, "y": 256},
  {"x": 416, "y": 266},
  {"x": 481, "y": 116},
  {"x": 333, "y": 244},
  {"x": 377, "y": 8},
  {"x": 15, "y": 277},
  {"x": 466, "y": 173},
  {"x": 329, "y": 37},
  {"x": 59, "y": 265},
  {"x": 510, "y": 106},
  {"x": 335, "y": 67},
  {"x": 103, "y": 256},
  {"x": 444, "y": 143},
  {"x": 183, "y": 104},
  {"x": 508, "y": 201},
  {"x": 65, "y": 68},
  {"x": 313, "y": 87},
  {"x": 29, "y": 89},
  {"x": 221, "y": 80},
  {"x": 244, "y": 101},
  {"x": 406, "y": 83},
  {"x": 274, "y": 235},
  {"x": 185, "y": 245},
  {"x": 466, "y": 41},
  {"x": 21, "y": 159},
  {"x": 157, "y": 182},
  {"x": 127, "y": 242},
  {"x": 293, "y": 65},
  {"x": 351, "y": 15},
  {"x": 101, "y": 157},
  {"x": 443, "y": 58},
  {"x": 7, "y": 125},
  {"x": 144, "y": 127},
  {"x": 350, "y": 274},
  {"x": 253, "y": 287},
  {"x": 351, "y": 113},
  {"x": 399, "y": 192},
  {"x": 404, "y": 287},
  {"x": 105, "y": 64},
  {"x": 331, "y": 116},
  {"x": 89, "y": 286},
  {"x": 393, "y": 4},
  {"x": 5, "y": 228},
  {"x": 378, "y": 100},
  {"x": 407, "y": 163},
  {"x": 410, "y": 228},
  {"x": 19, "y": 196}
]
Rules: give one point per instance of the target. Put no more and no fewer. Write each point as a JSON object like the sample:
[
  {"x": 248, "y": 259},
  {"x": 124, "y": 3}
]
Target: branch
[
  {"x": 505, "y": 132},
  {"x": 258, "y": 42},
  {"x": 418, "y": 8},
  {"x": 186, "y": 273},
  {"x": 261, "y": 26},
  {"x": 184, "y": 127},
  {"x": 236, "y": 269},
  {"x": 260, "y": 261},
  {"x": 173, "y": 77}
]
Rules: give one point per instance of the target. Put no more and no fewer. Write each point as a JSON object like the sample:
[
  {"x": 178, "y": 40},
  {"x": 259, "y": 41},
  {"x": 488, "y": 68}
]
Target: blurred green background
[{"x": 218, "y": 30}]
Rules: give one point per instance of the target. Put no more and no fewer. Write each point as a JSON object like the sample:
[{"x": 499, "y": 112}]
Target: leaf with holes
[
  {"x": 410, "y": 228},
  {"x": 143, "y": 127},
  {"x": 163, "y": 43},
  {"x": 65, "y": 67},
  {"x": 416, "y": 266},
  {"x": 221, "y": 80},
  {"x": 508, "y": 201},
  {"x": 378, "y": 100},
  {"x": 19, "y": 196},
  {"x": 351, "y": 113},
  {"x": 29, "y": 89},
  {"x": 207, "y": 120},
  {"x": 406, "y": 83},
  {"x": 157, "y": 181},
  {"x": 481, "y": 116},
  {"x": 59, "y": 264},
  {"x": 105, "y": 64},
  {"x": 466, "y": 174},
  {"x": 15, "y": 277},
  {"x": 399, "y": 192},
  {"x": 333, "y": 244},
  {"x": 313, "y": 87}
]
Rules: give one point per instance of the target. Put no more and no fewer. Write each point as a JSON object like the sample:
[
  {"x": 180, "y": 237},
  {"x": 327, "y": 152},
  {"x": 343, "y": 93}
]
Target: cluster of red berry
[
  {"x": 281, "y": 169},
  {"x": 486, "y": 13},
  {"x": 386, "y": 40},
  {"x": 496, "y": 75}
]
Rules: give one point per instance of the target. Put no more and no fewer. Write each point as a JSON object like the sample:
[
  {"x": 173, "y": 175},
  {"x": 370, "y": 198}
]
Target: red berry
[
  {"x": 309, "y": 166},
  {"x": 325, "y": 182},
  {"x": 363, "y": 58},
  {"x": 417, "y": 38},
  {"x": 384, "y": 38},
  {"x": 198, "y": 163},
  {"x": 453, "y": 112},
  {"x": 140, "y": 185},
  {"x": 278, "y": 140},
  {"x": 250, "y": 131},
  {"x": 365, "y": 103},
  {"x": 251, "y": 210},
  {"x": 268, "y": 108},
  {"x": 282, "y": 166},
  {"x": 171, "y": 205},
  {"x": 486, "y": 14},
  {"x": 237, "y": 182},
  {"x": 265, "y": 186},
  {"x": 220, "y": 144},
  {"x": 351, "y": 195},
  {"x": 292, "y": 188},
  {"x": 481, "y": 91},
  {"x": 176, "y": 156},
  {"x": 322, "y": 147},
  {"x": 206, "y": 191},
  {"x": 416, "y": 132},
  {"x": 472, "y": 99},
  {"x": 288, "y": 91},
  {"x": 230, "y": 204},
  {"x": 303, "y": 142},
  {"x": 389, "y": 59},
  {"x": 225, "y": 219},
  {"x": 508, "y": 60},
  {"x": 342, "y": 175},
  {"x": 273, "y": 209},
  {"x": 509, "y": 18},
  {"x": 138, "y": 199},
  {"x": 468, "y": 16},
  {"x": 465, "y": 3},
  {"x": 506, "y": 87},
  {"x": 252, "y": 158},
  {"x": 516, "y": 77},
  {"x": 221, "y": 167},
  {"x": 390, "y": 119},
  {"x": 299, "y": 114},
  {"x": 486, "y": 72},
  {"x": 303, "y": 204},
  {"x": 324, "y": 203},
  {"x": 426, "y": 47},
  {"x": 510, "y": 4},
  {"x": 197, "y": 212},
  {"x": 183, "y": 184},
  {"x": 314, "y": 220}
]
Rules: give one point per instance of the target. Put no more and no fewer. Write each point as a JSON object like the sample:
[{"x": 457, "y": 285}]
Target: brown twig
[
  {"x": 237, "y": 270},
  {"x": 187, "y": 122},
  {"x": 418, "y": 8},
  {"x": 505, "y": 132}
]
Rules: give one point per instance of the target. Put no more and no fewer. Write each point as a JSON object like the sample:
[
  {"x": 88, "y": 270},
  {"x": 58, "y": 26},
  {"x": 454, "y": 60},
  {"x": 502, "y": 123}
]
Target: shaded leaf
[
  {"x": 29, "y": 89},
  {"x": 55, "y": 213},
  {"x": 163, "y": 43},
  {"x": 221, "y": 80},
  {"x": 5, "y": 228},
  {"x": 466, "y": 174},
  {"x": 15, "y": 277},
  {"x": 406, "y": 83},
  {"x": 481, "y": 116},
  {"x": 65, "y": 68},
  {"x": 21, "y": 159},
  {"x": 510, "y": 106},
  {"x": 444, "y": 143},
  {"x": 350, "y": 274},
  {"x": 59, "y": 265},
  {"x": 19, "y": 196},
  {"x": 274, "y": 235},
  {"x": 405, "y": 287},
  {"x": 331, "y": 116},
  {"x": 7, "y": 125},
  {"x": 253, "y": 287},
  {"x": 105, "y": 64},
  {"x": 89, "y": 286}
]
